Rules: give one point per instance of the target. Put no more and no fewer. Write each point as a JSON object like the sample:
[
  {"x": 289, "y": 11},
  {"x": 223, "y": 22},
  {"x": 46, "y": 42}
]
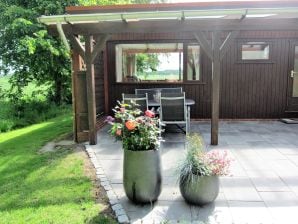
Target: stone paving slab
[{"x": 262, "y": 188}]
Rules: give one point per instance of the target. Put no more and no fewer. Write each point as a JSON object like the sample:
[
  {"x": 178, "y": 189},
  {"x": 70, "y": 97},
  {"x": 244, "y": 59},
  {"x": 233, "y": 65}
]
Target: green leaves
[{"x": 28, "y": 50}]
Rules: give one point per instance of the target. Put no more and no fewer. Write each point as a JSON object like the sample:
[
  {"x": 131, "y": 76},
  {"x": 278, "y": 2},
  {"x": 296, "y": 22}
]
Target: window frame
[
  {"x": 254, "y": 61},
  {"x": 184, "y": 80}
]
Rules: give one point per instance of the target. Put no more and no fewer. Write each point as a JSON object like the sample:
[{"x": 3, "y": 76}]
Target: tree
[
  {"x": 146, "y": 61},
  {"x": 29, "y": 51}
]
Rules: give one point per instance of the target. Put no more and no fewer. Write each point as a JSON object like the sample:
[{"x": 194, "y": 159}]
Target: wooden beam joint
[
  {"x": 100, "y": 44},
  {"x": 77, "y": 46},
  {"x": 204, "y": 43}
]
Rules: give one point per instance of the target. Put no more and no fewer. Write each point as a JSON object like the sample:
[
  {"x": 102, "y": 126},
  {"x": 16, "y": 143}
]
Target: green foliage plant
[
  {"x": 199, "y": 162},
  {"x": 147, "y": 61},
  {"x": 136, "y": 131}
]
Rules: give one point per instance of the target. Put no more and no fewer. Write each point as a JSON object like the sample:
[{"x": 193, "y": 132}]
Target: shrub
[
  {"x": 136, "y": 131},
  {"x": 199, "y": 162},
  {"x": 24, "y": 112},
  {"x": 6, "y": 125}
]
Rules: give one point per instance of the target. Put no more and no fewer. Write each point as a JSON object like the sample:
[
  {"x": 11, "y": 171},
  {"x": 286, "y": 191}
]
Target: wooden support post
[
  {"x": 215, "y": 53},
  {"x": 90, "y": 90},
  {"x": 106, "y": 82},
  {"x": 215, "y": 87},
  {"x": 75, "y": 68}
]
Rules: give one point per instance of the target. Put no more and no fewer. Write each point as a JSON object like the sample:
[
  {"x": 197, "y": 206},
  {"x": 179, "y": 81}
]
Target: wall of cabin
[{"x": 248, "y": 90}]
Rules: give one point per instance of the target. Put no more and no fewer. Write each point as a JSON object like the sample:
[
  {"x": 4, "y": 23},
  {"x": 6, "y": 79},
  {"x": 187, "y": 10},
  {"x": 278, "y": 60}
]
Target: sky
[{"x": 169, "y": 62}]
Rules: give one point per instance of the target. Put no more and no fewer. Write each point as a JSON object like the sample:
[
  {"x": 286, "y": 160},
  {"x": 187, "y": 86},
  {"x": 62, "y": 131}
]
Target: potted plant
[
  {"x": 199, "y": 173},
  {"x": 139, "y": 134}
]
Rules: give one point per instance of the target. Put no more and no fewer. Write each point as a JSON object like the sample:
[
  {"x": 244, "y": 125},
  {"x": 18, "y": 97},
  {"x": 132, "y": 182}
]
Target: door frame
[{"x": 292, "y": 44}]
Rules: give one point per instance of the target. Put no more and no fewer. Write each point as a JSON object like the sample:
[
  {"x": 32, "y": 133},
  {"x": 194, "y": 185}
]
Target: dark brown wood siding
[
  {"x": 99, "y": 84},
  {"x": 248, "y": 90}
]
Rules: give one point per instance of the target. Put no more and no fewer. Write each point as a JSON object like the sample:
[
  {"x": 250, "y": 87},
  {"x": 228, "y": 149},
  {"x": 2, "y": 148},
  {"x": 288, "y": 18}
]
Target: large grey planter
[
  {"x": 142, "y": 175},
  {"x": 202, "y": 190}
]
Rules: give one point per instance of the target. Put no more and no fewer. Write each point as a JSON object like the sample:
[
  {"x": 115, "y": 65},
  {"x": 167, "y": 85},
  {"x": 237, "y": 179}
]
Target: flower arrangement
[
  {"x": 201, "y": 163},
  {"x": 137, "y": 130}
]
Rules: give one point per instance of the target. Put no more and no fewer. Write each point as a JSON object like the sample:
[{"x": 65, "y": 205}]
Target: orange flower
[
  {"x": 130, "y": 125},
  {"x": 149, "y": 113},
  {"x": 118, "y": 132}
]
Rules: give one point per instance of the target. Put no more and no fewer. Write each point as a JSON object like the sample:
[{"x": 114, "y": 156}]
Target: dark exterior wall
[
  {"x": 248, "y": 90},
  {"x": 255, "y": 90},
  {"x": 99, "y": 84}
]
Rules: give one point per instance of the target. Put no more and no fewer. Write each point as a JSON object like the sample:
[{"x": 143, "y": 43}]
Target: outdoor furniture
[
  {"x": 171, "y": 90},
  {"x": 173, "y": 110},
  {"x": 152, "y": 93},
  {"x": 141, "y": 100}
]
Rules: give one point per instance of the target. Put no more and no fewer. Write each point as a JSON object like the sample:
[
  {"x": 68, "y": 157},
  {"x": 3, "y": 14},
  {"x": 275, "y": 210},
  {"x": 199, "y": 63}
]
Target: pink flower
[
  {"x": 110, "y": 119},
  {"x": 122, "y": 109},
  {"x": 149, "y": 113},
  {"x": 118, "y": 132},
  {"x": 219, "y": 161}
]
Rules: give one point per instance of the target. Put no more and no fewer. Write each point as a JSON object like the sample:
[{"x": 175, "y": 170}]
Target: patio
[{"x": 263, "y": 187}]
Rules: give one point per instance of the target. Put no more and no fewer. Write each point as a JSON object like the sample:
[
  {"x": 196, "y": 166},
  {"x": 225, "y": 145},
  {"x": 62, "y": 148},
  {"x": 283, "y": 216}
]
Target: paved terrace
[{"x": 263, "y": 187}]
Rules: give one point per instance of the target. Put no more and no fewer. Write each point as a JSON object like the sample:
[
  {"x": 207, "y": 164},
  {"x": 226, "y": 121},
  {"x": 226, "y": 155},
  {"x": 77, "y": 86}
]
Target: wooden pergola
[{"x": 221, "y": 30}]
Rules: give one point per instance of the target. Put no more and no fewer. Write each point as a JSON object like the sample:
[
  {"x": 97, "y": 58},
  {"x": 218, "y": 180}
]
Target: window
[
  {"x": 149, "y": 62},
  {"x": 193, "y": 62},
  {"x": 255, "y": 51}
]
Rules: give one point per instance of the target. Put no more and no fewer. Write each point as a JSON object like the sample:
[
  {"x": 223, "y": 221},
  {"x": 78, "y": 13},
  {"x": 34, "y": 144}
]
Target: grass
[
  {"x": 47, "y": 187},
  {"x": 32, "y": 108},
  {"x": 28, "y": 90},
  {"x": 159, "y": 75}
]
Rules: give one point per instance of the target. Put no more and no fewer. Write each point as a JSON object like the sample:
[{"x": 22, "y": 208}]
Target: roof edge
[{"x": 180, "y": 6}]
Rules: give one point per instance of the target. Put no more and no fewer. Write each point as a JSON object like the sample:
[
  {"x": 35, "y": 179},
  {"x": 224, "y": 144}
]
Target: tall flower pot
[
  {"x": 201, "y": 190},
  {"x": 142, "y": 175}
]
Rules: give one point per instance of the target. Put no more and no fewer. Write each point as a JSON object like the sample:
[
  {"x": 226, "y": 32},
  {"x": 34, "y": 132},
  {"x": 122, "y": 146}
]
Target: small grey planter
[
  {"x": 142, "y": 175},
  {"x": 202, "y": 190}
]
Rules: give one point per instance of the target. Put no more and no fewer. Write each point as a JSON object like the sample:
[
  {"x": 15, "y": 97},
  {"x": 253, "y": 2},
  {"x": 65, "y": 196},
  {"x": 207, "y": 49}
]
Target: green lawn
[
  {"x": 32, "y": 109},
  {"x": 28, "y": 90},
  {"x": 45, "y": 188}
]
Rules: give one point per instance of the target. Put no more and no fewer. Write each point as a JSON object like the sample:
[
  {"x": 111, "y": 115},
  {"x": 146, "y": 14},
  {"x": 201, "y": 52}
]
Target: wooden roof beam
[
  {"x": 77, "y": 46},
  {"x": 204, "y": 43},
  {"x": 101, "y": 42},
  {"x": 170, "y": 26},
  {"x": 227, "y": 43},
  {"x": 62, "y": 36}
]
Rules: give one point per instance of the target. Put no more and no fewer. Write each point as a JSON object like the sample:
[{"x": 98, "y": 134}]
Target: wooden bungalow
[{"x": 236, "y": 60}]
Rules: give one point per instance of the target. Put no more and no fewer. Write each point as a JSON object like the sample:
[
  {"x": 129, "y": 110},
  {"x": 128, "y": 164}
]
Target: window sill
[
  {"x": 161, "y": 83},
  {"x": 255, "y": 62}
]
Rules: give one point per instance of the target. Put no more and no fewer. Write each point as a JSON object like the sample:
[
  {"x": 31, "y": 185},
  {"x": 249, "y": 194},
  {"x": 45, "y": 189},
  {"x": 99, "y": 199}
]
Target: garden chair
[
  {"x": 172, "y": 90},
  {"x": 173, "y": 110},
  {"x": 140, "y": 100},
  {"x": 152, "y": 93}
]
